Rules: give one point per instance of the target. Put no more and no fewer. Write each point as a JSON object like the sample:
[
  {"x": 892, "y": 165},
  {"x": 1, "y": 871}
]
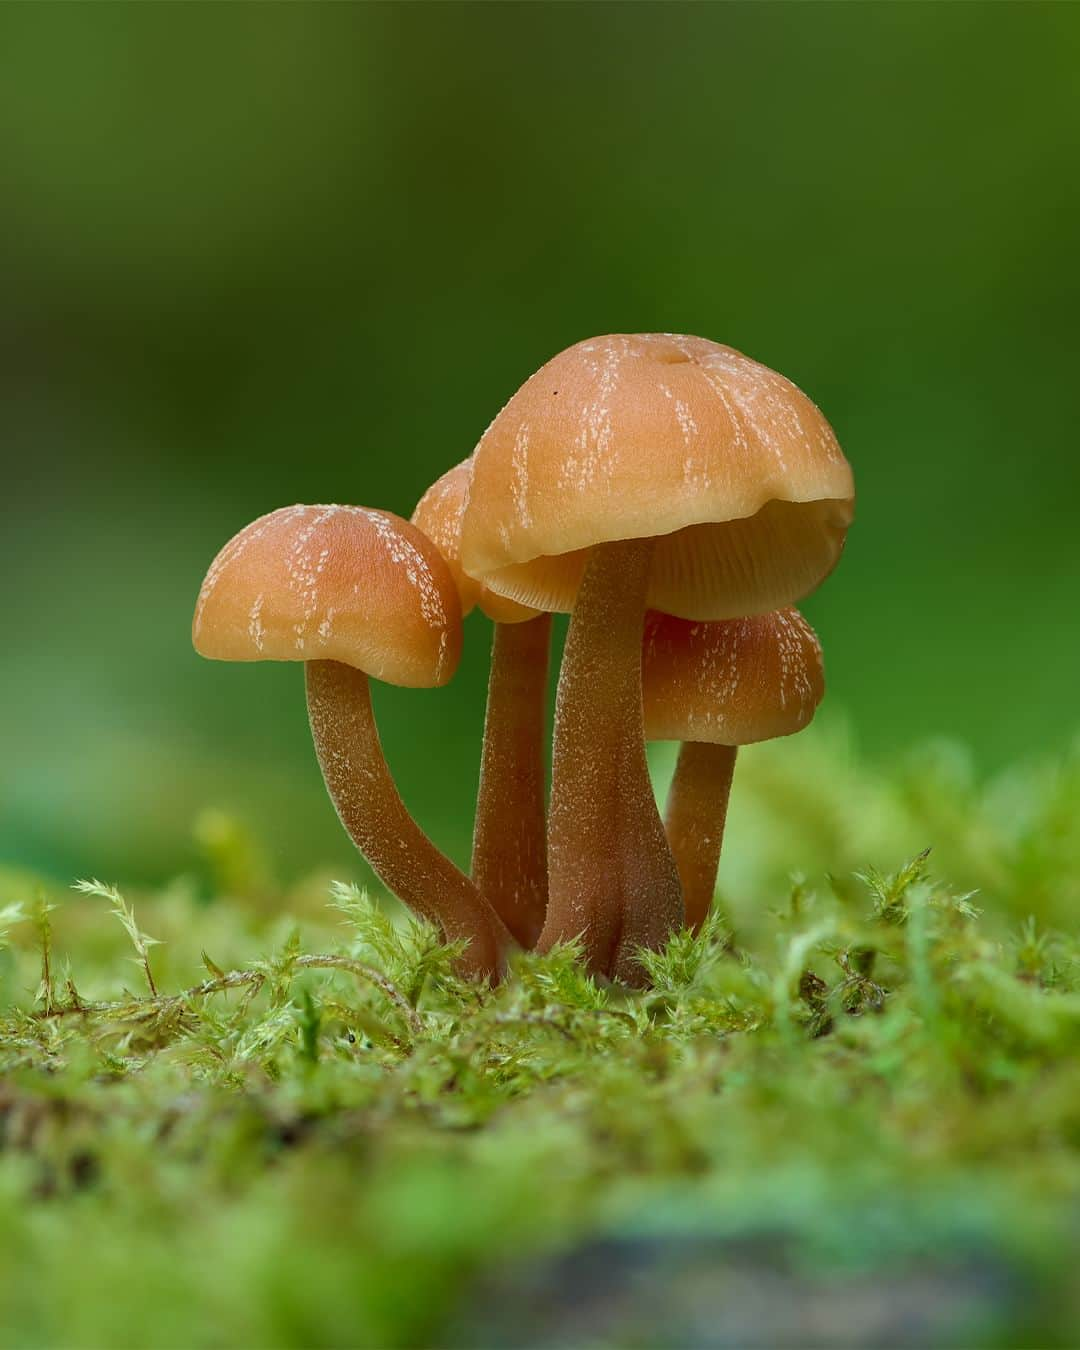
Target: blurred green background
[{"x": 256, "y": 254}]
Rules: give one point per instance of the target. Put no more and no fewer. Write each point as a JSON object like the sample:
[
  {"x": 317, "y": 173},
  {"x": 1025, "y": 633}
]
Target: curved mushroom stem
[
  {"x": 509, "y": 857},
  {"x": 694, "y": 818},
  {"x": 611, "y": 874},
  {"x": 358, "y": 780}
]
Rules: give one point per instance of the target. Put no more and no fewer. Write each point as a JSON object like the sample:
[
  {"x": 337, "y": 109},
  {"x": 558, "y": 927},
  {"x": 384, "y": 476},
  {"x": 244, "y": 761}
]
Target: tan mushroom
[
  {"x": 509, "y": 854},
  {"x": 632, "y": 471},
  {"x": 714, "y": 687},
  {"x": 353, "y": 593}
]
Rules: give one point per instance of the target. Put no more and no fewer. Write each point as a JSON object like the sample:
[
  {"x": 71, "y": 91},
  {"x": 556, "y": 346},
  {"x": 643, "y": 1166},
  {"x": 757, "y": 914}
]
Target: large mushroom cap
[
  {"x": 333, "y": 583},
  {"x": 731, "y": 682},
  {"x": 439, "y": 513},
  {"x": 642, "y": 435}
]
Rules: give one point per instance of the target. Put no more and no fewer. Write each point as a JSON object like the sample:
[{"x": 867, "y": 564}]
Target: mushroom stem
[
  {"x": 694, "y": 818},
  {"x": 361, "y": 788},
  {"x": 612, "y": 878},
  {"x": 509, "y": 857}
]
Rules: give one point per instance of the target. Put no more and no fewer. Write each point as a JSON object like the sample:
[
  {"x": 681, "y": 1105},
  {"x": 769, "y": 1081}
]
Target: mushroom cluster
[{"x": 671, "y": 495}]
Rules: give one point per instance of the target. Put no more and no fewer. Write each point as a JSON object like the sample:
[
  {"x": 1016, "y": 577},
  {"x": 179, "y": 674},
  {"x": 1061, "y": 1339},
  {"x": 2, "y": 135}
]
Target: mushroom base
[{"x": 360, "y": 786}]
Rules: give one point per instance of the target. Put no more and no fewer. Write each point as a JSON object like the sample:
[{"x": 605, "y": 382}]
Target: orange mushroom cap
[
  {"x": 333, "y": 583},
  {"x": 731, "y": 682},
  {"x": 439, "y": 514},
  {"x": 656, "y": 435}
]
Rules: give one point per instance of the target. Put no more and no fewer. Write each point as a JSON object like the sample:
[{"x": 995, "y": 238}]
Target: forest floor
[{"x": 848, "y": 1114}]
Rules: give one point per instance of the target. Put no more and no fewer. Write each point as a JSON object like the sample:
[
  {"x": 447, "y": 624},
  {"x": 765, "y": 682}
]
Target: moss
[{"x": 851, "y": 1118}]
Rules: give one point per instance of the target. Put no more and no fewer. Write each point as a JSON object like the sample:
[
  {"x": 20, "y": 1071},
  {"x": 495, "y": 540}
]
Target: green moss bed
[{"x": 848, "y": 1114}]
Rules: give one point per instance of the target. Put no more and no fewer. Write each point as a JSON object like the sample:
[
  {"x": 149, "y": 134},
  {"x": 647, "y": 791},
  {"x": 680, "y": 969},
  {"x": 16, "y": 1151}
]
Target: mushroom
[
  {"x": 714, "y": 687},
  {"x": 633, "y": 471},
  {"x": 353, "y": 593},
  {"x": 509, "y": 854}
]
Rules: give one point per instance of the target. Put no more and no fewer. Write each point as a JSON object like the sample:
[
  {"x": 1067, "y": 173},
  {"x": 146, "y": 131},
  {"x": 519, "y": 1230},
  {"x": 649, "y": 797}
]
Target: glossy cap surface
[
  {"x": 336, "y": 583},
  {"x": 439, "y": 513},
  {"x": 642, "y": 435},
  {"x": 731, "y": 682}
]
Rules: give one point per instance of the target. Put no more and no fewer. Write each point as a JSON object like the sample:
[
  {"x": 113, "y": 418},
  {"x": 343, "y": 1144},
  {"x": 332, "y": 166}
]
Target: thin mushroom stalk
[
  {"x": 611, "y": 875},
  {"x": 367, "y": 801},
  {"x": 509, "y": 854},
  {"x": 509, "y": 857},
  {"x": 694, "y": 820}
]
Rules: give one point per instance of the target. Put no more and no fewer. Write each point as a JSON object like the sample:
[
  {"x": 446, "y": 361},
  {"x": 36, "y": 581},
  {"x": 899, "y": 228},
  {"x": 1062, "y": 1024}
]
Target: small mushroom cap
[
  {"x": 333, "y": 583},
  {"x": 731, "y": 682},
  {"x": 439, "y": 514},
  {"x": 652, "y": 434}
]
